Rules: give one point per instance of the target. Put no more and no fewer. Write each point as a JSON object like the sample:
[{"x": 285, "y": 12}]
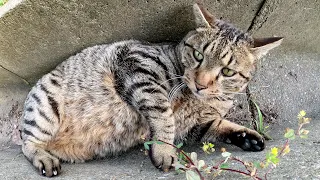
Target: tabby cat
[{"x": 106, "y": 98}]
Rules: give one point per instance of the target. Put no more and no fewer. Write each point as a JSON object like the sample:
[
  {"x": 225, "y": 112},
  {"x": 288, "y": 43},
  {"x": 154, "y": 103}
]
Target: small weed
[
  {"x": 259, "y": 123},
  {"x": 197, "y": 169}
]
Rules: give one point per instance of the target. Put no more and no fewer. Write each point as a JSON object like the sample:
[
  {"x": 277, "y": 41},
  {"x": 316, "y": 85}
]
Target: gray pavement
[{"x": 301, "y": 163}]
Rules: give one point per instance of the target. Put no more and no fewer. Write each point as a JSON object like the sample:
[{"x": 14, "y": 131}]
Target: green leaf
[
  {"x": 146, "y": 145},
  {"x": 226, "y": 154},
  {"x": 267, "y": 136},
  {"x": 201, "y": 163},
  {"x": 272, "y": 156},
  {"x": 301, "y": 114},
  {"x": 177, "y": 166},
  {"x": 260, "y": 124},
  {"x": 286, "y": 150},
  {"x": 289, "y": 134},
  {"x": 224, "y": 165},
  {"x": 182, "y": 157},
  {"x": 274, "y": 160},
  {"x": 179, "y": 145},
  {"x": 274, "y": 151},
  {"x": 191, "y": 175},
  {"x": 303, "y": 132},
  {"x": 194, "y": 157},
  {"x": 208, "y": 147},
  {"x": 159, "y": 142},
  {"x": 256, "y": 164},
  {"x": 205, "y": 148},
  {"x": 268, "y": 156},
  {"x": 303, "y": 136}
]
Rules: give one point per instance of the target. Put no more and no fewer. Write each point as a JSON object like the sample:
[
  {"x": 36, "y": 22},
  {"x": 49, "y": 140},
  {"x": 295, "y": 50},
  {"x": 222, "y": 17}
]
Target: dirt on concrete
[{"x": 10, "y": 126}]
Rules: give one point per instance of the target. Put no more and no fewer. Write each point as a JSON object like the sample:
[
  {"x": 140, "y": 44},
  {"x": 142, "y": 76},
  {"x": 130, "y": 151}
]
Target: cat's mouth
[
  {"x": 207, "y": 94},
  {"x": 203, "y": 94}
]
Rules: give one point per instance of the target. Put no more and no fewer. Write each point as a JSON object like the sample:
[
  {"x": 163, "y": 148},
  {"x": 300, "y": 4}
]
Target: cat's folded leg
[
  {"x": 161, "y": 120},
  {"x": 245, "y": 138}
]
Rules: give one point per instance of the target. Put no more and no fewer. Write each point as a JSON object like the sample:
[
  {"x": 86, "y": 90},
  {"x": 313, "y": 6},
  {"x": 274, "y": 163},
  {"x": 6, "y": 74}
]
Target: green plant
[
  {"x": 259, "y": 123},
  {"x": 2, "y": 2},
  {"x": 195, "y": 169}
]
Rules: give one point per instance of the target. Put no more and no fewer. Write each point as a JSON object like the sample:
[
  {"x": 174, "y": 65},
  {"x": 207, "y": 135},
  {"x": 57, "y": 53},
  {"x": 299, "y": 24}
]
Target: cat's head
[{"x": 220, "y": 59}]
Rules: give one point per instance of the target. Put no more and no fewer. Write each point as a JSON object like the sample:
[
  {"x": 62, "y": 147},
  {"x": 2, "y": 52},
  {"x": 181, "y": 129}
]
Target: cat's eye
[
  {"x": 198, "y": 56},
  {"x": 228, "y": 72}
]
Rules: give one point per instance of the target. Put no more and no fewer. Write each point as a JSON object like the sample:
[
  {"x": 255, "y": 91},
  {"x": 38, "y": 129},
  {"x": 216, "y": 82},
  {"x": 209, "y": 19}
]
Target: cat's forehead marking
[
  {"x": 224, "y": 52},
  {"x": 227, "y": 59}
]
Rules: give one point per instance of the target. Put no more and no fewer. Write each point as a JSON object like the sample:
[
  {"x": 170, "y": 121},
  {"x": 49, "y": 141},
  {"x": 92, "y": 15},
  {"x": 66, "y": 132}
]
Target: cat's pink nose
[{"x": 200, "y": 87}]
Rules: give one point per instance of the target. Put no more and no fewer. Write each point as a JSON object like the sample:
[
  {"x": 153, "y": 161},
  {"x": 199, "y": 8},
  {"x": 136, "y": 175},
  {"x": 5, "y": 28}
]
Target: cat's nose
[{"x": 200, "y": 87}]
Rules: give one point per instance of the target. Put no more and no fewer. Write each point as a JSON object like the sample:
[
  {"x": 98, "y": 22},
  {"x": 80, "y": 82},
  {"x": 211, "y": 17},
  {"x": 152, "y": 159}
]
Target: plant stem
[
  {"x": 235, "y": 170},
  {"x": 284, "y": 146},
  {"x": 214, "y": 167},
  {"x": 265, "y": 175},
  {"x": 185, "y": 155},
  {"x": 236, "y": 159}
]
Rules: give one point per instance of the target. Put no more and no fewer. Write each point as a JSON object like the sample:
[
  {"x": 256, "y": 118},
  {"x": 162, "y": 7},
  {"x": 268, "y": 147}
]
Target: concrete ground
[
  {"x": 301, "y": 163},
  {"x": 40, "y": 34}
]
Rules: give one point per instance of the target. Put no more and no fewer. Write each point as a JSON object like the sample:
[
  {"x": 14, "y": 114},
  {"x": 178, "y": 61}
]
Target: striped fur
[{"x": 106, "y": 98}]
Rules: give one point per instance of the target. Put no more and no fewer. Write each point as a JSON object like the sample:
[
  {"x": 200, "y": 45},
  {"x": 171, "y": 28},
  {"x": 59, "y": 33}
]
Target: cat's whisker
[
  {"x": 173, "y": 92},
  {"x": 220, "y": 96},
  {"x": 176, "y": 75},
  {"x": 230, "y": 92},
  {"x": 174, "y": 88},
  {"x": 182, "y": 77}
]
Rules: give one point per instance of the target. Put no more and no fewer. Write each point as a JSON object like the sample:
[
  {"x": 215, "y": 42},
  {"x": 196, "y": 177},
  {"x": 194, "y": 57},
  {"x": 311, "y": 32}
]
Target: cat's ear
[
  {"x": 263, "y": 45},
  {"x": 202, "y": 16}
]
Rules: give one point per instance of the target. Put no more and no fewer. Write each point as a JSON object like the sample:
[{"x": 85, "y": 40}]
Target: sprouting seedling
[{"x": 259, "y": 123}]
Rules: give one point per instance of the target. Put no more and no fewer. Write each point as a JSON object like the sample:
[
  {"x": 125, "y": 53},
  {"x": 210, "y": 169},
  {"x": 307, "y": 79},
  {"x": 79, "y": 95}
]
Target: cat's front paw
[
  {"x": 247, "y": 140},
  {"x": 48, "y": 165},
  {"x": 162, "y": 156}
]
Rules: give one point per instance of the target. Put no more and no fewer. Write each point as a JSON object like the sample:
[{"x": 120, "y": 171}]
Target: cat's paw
[
  {"x": 247, "y": 140},
  {"x": 48, "y": 165},
  {"x": 162, "y": 156}
]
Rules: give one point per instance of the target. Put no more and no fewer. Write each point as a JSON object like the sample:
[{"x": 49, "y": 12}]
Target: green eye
[
  {"x": 228, "y": 72},
  {"x": 198, "y": 56}
]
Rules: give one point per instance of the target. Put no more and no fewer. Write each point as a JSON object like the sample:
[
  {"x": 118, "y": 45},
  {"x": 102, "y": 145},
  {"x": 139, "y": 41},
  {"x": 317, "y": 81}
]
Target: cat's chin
[
  {"x": 202, "y": 96},
  {"x": 199, "y": 95}
]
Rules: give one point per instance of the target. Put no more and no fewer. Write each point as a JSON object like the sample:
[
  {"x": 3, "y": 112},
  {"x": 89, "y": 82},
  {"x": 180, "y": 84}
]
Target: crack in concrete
[
  {"x": 266, "y": 9},
  {"x": 256, "y": 24},
  {"x": 23, "y": 79},
  {"x": 256, "y": 15},
  {"x": 251, "y": 106}
]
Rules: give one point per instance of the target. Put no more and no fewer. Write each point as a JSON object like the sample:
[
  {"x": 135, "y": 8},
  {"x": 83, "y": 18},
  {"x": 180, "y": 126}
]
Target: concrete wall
[
  {"x": 41, "y": 34},
  {"x": 37, "y": 35}
]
